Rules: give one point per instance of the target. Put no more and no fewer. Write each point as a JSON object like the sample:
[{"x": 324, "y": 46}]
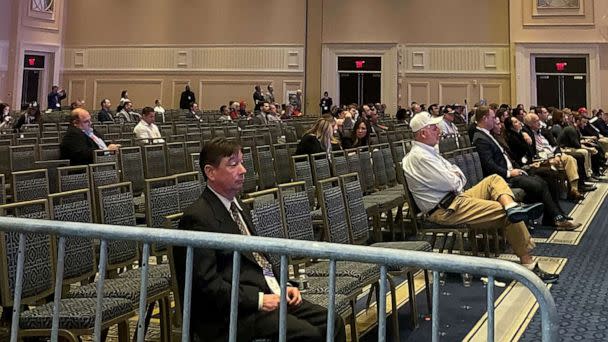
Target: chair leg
[
  {"x": 123, "y": 331},
  {"x": 395, "y": 310},
  {"x": 427, "y": 288},
  {"x": 165, "y": 324},
  {"x": 354, "y": 335},
  {"x": 413, "y": 306}
]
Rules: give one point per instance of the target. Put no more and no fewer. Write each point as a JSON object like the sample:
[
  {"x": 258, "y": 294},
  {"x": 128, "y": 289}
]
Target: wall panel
[
  {"x": 142, "y": 92},
  {"x": 76, "y": 90}
]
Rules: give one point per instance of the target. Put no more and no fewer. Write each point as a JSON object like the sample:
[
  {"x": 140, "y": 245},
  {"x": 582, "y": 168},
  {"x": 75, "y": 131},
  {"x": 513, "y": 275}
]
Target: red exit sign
[
  {"x": 359, "y": 64},
  {"x": 560, "y": 66}
]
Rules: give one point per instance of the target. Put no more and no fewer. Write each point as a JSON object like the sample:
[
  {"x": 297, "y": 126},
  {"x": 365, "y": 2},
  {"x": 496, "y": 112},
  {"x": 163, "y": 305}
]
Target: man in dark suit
[
  {"x": 54, "y": 98},
  {"x": 104, "y": 114},
  {"x": 80, "y": 140},
  {"x": 218, "y": 211},
  {"x": 494, "y": 160},
  {"x": 187, "y": 98}
]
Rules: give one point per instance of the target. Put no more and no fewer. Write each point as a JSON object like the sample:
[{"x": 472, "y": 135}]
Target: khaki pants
[
  {"x": 571, "y": 168},
  {"x": 583, "y": 152},
  {"x": 479, "y": 208}
]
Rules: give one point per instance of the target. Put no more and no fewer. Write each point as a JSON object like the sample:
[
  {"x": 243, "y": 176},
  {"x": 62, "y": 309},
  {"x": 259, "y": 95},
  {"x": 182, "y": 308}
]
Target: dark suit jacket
[
  {"x": 492, "y": 159},
  {"x": 184, "y": 102},
  {"x": 212, "y": 274},
  {"x": 78, "y": 147},
  {"x": 104, "y": 116},
  {"x": 602, "y": 126},
  {"x": 569, "y": 137},
  {"x": 519, "y": 147}
]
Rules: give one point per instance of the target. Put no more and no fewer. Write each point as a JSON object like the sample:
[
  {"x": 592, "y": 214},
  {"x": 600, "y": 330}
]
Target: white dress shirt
[
  {"x": 144, "y": 130},
  {"x": 447, "y": 127},
  {"x": 430, "y": 176}
]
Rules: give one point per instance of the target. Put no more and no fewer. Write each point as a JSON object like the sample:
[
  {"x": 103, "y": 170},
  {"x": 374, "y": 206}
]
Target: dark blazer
[
  {"x": 186, "y": 99},
  {"x": 309, "y": 144},
  {"x": 569, "y": 137},
  {"x": 492, "y": 158},
  {"x": 519, "y": 147},
  {"x": 78, "y": 147},
  {"x": 104, "y": 116},
  {"x": 602, "y": 126},
  {"x": 212, "y": 274}
]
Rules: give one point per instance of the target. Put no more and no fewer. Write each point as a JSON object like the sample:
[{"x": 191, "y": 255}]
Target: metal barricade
[{"x": 191, "y": 239}]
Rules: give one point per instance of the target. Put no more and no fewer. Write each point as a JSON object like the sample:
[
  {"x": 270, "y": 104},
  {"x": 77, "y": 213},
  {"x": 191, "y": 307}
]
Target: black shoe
[
  {"x": 525, "y": 212},
  {"x": 548, "y": 278},
  {"x": 587, "y": 188}
]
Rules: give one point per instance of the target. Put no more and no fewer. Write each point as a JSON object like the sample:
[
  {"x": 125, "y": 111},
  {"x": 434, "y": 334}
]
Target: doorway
[
  {"x": 561, "y": 82},
  {"x": 360, "y": 79},
  {"x": 33, "y": 78}
]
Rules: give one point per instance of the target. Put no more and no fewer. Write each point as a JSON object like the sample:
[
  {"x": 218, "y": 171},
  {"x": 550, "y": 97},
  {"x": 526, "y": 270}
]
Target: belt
[{"x": 444, "y": 203}]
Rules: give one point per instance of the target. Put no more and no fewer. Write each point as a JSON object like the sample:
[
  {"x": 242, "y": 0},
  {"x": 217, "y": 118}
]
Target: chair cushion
[
  {"x": 74, "y": 313},
  {"x": 347, "y": 286},
  {"x": 154, "y": 271},
  {"x": 361, "y": 271},
  {"x": 127, "y": 288},
  {"x": 342, "y": 302}
]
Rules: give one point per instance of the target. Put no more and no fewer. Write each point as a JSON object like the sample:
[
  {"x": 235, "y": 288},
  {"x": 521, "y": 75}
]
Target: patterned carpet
[{"x": 582, "y": 293}]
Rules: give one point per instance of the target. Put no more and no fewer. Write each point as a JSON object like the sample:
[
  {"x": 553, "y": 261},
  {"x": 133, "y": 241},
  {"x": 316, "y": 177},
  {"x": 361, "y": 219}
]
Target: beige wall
[
  {"x": 582, "y": 31},
  {"x": 416, "y": 21},
  {"x": 6, "y": 25},
  {"x": 181, "y": 22}
]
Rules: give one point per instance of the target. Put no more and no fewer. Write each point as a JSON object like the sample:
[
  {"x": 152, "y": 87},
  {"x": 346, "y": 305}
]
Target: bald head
[{"x": 81, "y": 118}]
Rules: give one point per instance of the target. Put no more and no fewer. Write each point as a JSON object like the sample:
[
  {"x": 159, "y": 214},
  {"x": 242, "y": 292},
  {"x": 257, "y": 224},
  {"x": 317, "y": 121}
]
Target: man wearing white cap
[{"x": 437, "y": 187}]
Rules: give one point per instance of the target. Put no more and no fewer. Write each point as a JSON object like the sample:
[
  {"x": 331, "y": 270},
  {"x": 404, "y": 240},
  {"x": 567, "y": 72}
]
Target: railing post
[
  {"x": 143, "y": 294},
  {"x": 382, "y": 305},
  {"x": 435, "y": 314},
  {"x": 58, "y": 288},
  {"x": 18, "y": 288},
  {"x": 187, "y": 295},
  {"x": 283, "y": 303},
  {"x": 103, "y": 259},
  {"x": 234, "y": 297},
  {"x": 490, "y": 309}
]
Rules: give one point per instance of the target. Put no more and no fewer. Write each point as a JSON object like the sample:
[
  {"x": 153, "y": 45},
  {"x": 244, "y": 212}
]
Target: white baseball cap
[{"x": 423, "y": 119}]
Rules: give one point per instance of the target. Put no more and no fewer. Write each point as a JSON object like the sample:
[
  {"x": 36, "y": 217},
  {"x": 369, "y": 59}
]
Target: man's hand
[
  {"x": 294, "y": 297},
  {"x": 114, "y": 147},
  {"x": 516, "y": 172},
  {"x": 527, "y": 138},
  {"x": 270, "y": 302}
]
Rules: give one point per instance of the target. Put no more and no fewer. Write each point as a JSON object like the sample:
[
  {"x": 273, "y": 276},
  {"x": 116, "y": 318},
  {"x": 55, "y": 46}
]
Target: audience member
[
  {"x": 270, "y": 94},
  {"x": 54, "y": 98},
  {"x": 319, "y": 138},
  {"x": 358, "y": 138},
  {"x": 570, "y": 139},
  {"x": 146, "y": 130},
  {"x": 224, "y": 114},
  {"x": 187, "y": 98},
  {"x": 158, "y": 108},
  {"x": 258, "y": 98},
  {"x": 234, "y": 110},
  {"x": 438, "y": 190},
  {"x": 194, "y": 113},
  {"x": 326, "y": 103},
  {"x": 219, "y": 211},
  {"x": 104, "y": 114},
  {"x": 124, "y": 97},
  {"x": 127, "y": 114},
  {"x": 77, "y": 104},
  {"x": 6, "y": 119},
  {"x": 401, "y": 116},
  {"x": 447, "y": 125},
  {"x": 31, "y": 116},
  {"x": 81, "y": 140},
  {"x": 259, "y": 117},
  {"x": 273, "y": 115},
  {"x": 495, "y": 161}
]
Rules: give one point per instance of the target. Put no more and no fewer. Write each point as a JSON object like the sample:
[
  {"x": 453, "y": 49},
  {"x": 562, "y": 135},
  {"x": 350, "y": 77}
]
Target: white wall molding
[
  {"x": 488, "y": 59},
  {"x": 124, "y": 83},
  {"x": 221, "y": 58}
]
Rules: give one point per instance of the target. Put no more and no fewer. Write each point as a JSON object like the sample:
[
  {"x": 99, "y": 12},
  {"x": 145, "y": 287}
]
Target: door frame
[
  {"x": 330, "y": 79},
  {"x": 525, "y": 75},
  {"x": 50, "y": 75}
]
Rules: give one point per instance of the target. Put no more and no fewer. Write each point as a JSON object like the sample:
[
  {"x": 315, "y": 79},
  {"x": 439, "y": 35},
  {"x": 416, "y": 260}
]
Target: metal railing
[{"x": 191, "y": 239}]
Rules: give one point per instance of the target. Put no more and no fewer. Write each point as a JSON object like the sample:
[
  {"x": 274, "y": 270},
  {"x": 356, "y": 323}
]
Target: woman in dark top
[
  {"x": 520, "y": 143},
  {"x": 360, "y": 136},
  {"x": 30, "y": 117},
  {"x": 319, "y": 138}
]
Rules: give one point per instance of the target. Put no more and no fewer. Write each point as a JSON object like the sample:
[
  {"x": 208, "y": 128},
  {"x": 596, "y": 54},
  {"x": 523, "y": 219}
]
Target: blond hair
[{"x": 323, "y": 130}]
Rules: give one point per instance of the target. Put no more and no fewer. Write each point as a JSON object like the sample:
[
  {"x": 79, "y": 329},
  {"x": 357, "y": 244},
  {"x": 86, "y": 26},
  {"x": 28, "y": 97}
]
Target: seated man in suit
[
  {"x": 437, "y": 188},
  {"x": 494, "y": 160},
  {"x": 104, "y": 114},
  {"x": 81, "y": 140},
  {"x": 217, "y": 210},
  {"x": 571, "y": 139}
]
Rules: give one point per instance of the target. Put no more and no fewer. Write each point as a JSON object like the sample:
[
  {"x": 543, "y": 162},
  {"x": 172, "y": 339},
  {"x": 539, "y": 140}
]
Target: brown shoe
[
  {"x": 575, "y": 195},
  {"x": 566, "y": 225}
]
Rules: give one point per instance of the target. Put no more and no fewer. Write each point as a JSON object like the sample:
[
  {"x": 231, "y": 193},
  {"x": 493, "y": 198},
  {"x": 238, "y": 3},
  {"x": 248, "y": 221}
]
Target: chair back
[
  {"x": 22, "y": 157},
  {"x": 333, "y": 210},
  {"x": 154, "y": 161},
  {"x": 49, "y": 151},
  {"x": 339, "y": 164},
  {"x": 30, "y": 185},
  {"x": 117, "y": 208},
  {"x": 51, "y": 166},
  {"x": 75, "y": 206},
  {"x": 132, "y": 168},
  {"x": 104, "y": 156},
  {"x": 367, "y": 170},
  {"x": 356, "y": 214},
  {"x": 38, "y": 269},
  {"x": 189, "y": 188},
  {"x": 282, "y": 160},
  {"x": 101, "y": 174},
  {"x": 249, "y": 184},
  {"x": 73, "y": 177},
  {"x": 176, "y": 158},
  {"x": 321, "y": 168},
  {"x": 162, "y": 199},
  {"x": 302, "y": 172},
  {"x": 2, "y": 189},
  {"x": 265, "y": 170}
]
